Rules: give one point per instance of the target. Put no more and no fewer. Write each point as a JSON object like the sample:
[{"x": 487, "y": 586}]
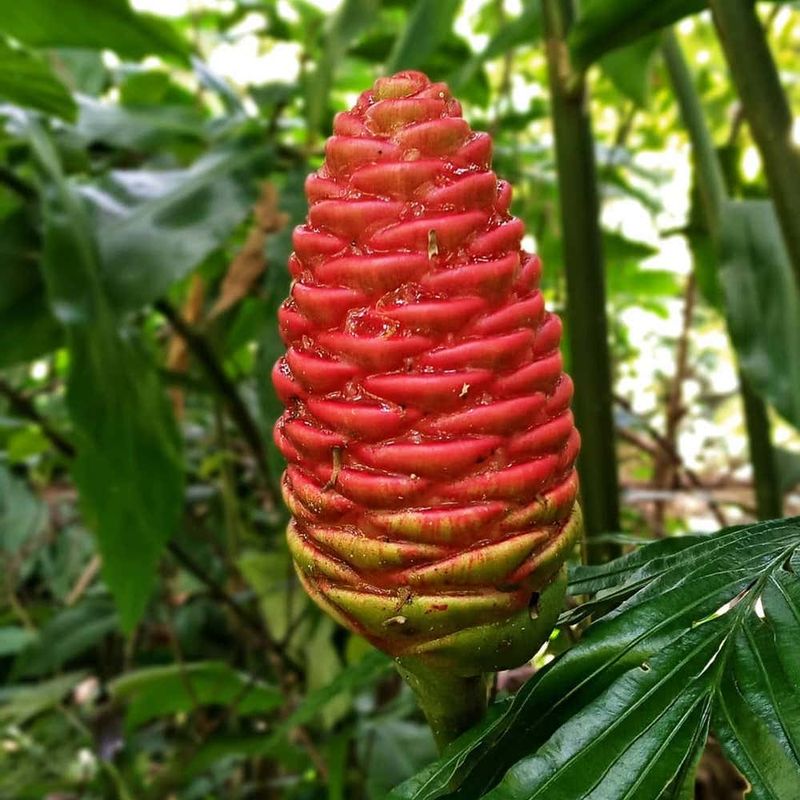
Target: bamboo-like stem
[
  {"x": 586, "y": 292},
  {"x": 766, "y": 109},
  {"x": 714, "y": 194},
  {"x": 769, "y": 497}
]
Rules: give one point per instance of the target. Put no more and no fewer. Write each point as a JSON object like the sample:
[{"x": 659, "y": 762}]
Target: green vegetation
[{"x": 154, "y": 640}]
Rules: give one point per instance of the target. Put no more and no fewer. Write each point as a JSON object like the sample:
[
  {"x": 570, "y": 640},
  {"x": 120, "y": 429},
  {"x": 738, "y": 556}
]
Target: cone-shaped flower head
[{"x": 428, "y": 435}]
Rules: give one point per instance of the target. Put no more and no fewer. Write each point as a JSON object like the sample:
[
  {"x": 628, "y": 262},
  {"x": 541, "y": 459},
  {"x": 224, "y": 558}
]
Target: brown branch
[
  {"x": 675, "y": 457},
  {"x": 23, "y": 405},
  {"x": 225, "y": 387},
  {"x": 665, "y": 468}
]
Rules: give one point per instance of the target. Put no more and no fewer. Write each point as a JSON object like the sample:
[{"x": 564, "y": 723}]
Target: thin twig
[
  {"x": 84, "y": 581},
  {"x": 23, "y": 405},
  {"x": 692, "y": 477},
  {"x": 200, "y": 347},
  {"x": 665, "y": 468}
]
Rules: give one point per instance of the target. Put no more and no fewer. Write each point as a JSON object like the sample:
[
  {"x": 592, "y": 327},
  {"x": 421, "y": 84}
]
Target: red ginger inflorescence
[{"x": 430, "y": 446}]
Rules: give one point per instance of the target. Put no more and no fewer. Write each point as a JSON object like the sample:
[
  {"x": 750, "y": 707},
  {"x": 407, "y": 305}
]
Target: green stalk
[
  {"x": 714, "y": 194},
  {"x": 586, "y": 291},
  {"x": 767, "y": 110},
  {"x": 769, "y": 497},
  {"x": 451, "y": 704}
]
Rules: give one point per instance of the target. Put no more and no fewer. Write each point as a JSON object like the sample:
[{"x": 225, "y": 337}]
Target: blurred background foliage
[{"x": 153, "y": 640}]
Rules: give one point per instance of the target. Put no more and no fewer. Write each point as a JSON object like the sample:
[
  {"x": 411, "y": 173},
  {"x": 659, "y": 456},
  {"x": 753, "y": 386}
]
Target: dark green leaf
[
  {"x": 629, "y": 68},
  {"x": 94, "y": 24},
  {"x": 27, "y": 327},
  {"x": 604, "y": 25},
  {"x": 22, "y": 515},
  {"x": 12, "y": 640},
  {"x": 154, "y": 227},
  {"x": 20, "y": 703},
  {"x": 762, "y": 302},
  {"x": 128, "y": 468},
  {"x": 341, "y": 29},
  {"x": 391, "y": 749},
  {"x": 430, "y": 23},
  {"x": 27, "y": 81},
  {"x": 160, "y": 691},
  {"x": 709, "y": 636},
  {"x": 363, "y": 673},
  {"x": 68, "y": 634}
]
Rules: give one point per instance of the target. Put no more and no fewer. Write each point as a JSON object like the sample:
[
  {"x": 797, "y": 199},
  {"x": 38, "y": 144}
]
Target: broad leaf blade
[
  {"x": 604, "y": 25},
  {"x": 160, "y": 691},
  {"x": 128, "y": 467},
  {"x": 28, "y": 329},
  {"x": 95, "y": 24},
  {"x": 630, "y": 68},
  {"x": 351, "y": 18},
  {"x": 625, "y": 712},
  {"x": 429, "y": 24},
  {"x": 154, "y": 227},
  {"x": 27, "y": 81},
  {"x": 762, "y": 302}
]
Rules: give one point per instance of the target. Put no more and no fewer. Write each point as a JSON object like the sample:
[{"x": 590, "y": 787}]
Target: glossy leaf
[
  {"x": 28, "y": 81},
  {"x": 604, "y": 25},
  {"x": 128, "y": 468},
  {"x": 94, "y": 24},
  {"x": 762, "y": 302},
  {"x": 707, "y": 639},
  {"x": 155, "y": 226},
  {"x": 161, "y": 691},
  {"x": 428, "y": 25}
]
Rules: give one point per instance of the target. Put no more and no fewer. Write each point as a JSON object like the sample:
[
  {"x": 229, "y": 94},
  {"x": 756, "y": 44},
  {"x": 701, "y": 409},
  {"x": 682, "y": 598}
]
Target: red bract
[{"x": 430, "y": 444}]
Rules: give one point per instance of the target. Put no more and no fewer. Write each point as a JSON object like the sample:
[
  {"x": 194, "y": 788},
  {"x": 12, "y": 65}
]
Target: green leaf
[
  {"x": 154, "y": 227},
  {"x": 27, "y": 81},
  {"x": 429, "y": 24},
  {"x": 141, "y": 128},
  {"x": 70, "y": 633},
  {"x": 27, "y": 327},
  {"x": 341, "y": 29},
  {"x": 353, "y": 678},
  {"x": 604, "y": 25},
  {"x": 762, "y": 302},
  {"x": 20, "y": 703},
  {"x": 22, "y": 515},
  {"x": 161, "y": 691},
  {"x": 128, "y": 468},
  {"x": 94, "y": 24},
  {"x": 12, "y": 640},
  {"x": 630, "y": 68},
  {"x": 526, "y": 29},
  {"x": 363, "y": 673},
  {"x": 710, "y": 636}
]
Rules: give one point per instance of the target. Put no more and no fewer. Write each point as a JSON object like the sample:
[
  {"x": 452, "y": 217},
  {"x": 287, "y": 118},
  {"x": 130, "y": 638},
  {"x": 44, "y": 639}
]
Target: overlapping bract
[{"x": 430, "y": 444}]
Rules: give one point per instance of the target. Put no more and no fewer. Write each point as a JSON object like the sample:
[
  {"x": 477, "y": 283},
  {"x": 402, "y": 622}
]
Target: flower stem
[{"x": 452, "y": 704}]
